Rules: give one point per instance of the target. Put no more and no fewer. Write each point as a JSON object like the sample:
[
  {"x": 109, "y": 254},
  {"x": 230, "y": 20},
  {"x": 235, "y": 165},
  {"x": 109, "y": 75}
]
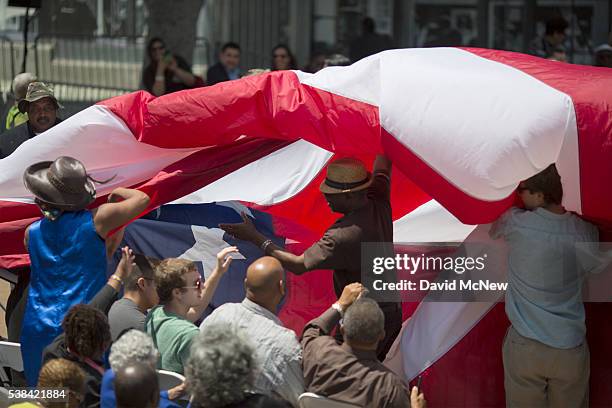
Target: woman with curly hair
[
  {"x": 221, "y": 369},
  {"x": 85, "y": 339}
]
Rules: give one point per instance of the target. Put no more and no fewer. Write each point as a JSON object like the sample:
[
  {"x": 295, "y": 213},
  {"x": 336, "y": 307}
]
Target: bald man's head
[
  {"x": 136, "y": 385},
  {"x": 264, "y": 280}
]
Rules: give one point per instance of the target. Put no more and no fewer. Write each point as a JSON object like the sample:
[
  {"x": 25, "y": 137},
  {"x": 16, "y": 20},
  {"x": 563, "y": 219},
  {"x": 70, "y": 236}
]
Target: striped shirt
[{"x": 278, "y": 352}]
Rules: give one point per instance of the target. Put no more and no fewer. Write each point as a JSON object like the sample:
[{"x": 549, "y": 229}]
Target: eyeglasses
[
  {"x": 281, "y": 56},
  {"x": 158, "y": 48},
  {"x": 197, "y": 285}
]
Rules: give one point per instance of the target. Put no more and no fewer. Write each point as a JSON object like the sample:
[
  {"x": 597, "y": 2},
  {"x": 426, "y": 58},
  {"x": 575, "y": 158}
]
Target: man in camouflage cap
[{"x": 41, "y": 106}]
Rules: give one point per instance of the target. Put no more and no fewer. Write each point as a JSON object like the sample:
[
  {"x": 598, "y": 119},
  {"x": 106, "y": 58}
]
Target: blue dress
[{"x": 68, "y": 263}]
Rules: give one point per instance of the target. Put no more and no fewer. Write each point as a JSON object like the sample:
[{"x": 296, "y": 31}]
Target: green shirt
[
  {"x": 15, "y": 118},
  {"x": 172, "y": 336}
]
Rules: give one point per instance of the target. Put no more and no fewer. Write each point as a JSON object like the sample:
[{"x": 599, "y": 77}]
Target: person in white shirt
[{"x": 278, "y": 352}]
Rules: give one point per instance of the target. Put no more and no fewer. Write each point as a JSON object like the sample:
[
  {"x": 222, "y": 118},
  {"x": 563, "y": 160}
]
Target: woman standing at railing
[{"x": 166, "y": 72}]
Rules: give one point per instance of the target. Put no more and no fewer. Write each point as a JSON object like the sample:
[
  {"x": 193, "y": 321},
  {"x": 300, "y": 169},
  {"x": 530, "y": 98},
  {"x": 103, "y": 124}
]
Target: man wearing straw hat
[
  {"x": 364, "y": 201},
  {"x": 41, "y": 106},
  {"x": 68, "y": 248}
]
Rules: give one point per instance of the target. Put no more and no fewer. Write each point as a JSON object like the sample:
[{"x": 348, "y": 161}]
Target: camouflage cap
[{"x": 37, "y": 90}]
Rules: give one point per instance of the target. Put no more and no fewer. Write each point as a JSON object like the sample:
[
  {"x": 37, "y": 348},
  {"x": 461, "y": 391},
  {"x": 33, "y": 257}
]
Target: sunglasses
[{"x": 197, "y": 285}]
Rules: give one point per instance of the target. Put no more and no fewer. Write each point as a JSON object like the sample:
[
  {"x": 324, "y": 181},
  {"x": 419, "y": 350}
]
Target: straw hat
[{"x": 346, "y": 176}]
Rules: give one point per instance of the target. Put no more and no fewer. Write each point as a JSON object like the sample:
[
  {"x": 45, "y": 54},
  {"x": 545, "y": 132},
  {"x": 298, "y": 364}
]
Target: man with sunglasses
[
  {"x": 183, "y": 296},
  {"x": 140, "y": 295},
  {"x": 545, "y": 353}
]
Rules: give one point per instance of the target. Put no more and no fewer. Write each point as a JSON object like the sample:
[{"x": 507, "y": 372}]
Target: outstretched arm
[
  {"x": 246, "y": 231},
  {"x": 107, "y": 295},
  {"x": 210, "y": 285},
  {"x": 124, "y": 204}
]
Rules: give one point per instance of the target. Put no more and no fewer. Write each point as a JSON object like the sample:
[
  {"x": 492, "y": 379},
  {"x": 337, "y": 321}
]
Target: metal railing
[
  {"x": 85, "y": 68},
  {"x": 88, "y": 68},
  {"x": 7, "y": 64}
]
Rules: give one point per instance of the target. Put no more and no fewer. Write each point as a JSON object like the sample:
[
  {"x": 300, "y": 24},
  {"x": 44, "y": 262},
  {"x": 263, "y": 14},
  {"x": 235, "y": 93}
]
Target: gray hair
[
  {"x": 133, "y": 346},
  {"x": 20, "y": 84},
  {"x": 364, "y": 321},
  {"x": 220, "y": 368}
]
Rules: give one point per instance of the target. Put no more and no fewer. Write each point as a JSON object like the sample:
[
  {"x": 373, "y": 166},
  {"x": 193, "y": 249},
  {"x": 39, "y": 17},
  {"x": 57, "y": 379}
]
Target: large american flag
[{"x": 462, "y": 126}]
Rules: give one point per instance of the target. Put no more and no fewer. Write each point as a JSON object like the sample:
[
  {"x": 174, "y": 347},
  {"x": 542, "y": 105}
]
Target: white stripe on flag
[
  {"x": 435, "y": 327},
  {"x": 100, "y": 140},
  {"x": 269, "y": 180},
  {"x": 430, "y": 223},
  {"x": 481, "y": 125}
]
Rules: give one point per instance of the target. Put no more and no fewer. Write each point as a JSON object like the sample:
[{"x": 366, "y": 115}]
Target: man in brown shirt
[
  {"x": 351, "y": 372},
  {"x": 364, "y": 201}
]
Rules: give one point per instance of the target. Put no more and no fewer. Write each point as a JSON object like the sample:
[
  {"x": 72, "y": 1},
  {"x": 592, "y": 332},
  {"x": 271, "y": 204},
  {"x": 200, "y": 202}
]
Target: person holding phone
[{"x": 166, "y": 72}]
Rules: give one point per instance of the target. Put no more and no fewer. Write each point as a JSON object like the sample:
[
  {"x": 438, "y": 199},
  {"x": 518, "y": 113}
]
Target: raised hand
[
  {"x": 126, "y": 264},
  {"x": 245, "y": 230},
  {"x": 224, "y": 258},
  {"x": 350, "y": 293}
]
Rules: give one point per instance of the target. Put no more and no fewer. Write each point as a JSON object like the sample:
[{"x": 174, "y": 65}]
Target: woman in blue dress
[{"x": 68, "y": 248}]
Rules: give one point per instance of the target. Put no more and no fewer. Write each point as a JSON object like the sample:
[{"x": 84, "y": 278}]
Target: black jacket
[
  {"x": 216, "y": 74},
  {"x": 13, "y": 138}
]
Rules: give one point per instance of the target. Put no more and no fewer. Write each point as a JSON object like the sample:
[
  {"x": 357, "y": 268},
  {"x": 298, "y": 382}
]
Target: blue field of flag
[{"x": 191, "y": 231}]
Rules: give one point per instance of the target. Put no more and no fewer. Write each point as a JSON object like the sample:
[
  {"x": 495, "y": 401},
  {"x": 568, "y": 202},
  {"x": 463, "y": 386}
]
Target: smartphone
[
  {"x": 167, "y": 56},
  {"x": 419, "y": 381}
]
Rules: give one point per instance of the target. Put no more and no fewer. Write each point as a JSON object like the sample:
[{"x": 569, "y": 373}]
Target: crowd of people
[
  {"x": 241, "y": 355},
  {"x": 167, "y": 72},
  {"x": 69, "y": 316}
]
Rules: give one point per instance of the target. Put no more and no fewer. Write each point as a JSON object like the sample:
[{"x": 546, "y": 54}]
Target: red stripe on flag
[
  {"x": 175, "y": 181},
  {"x": 466, "y": 208}
]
